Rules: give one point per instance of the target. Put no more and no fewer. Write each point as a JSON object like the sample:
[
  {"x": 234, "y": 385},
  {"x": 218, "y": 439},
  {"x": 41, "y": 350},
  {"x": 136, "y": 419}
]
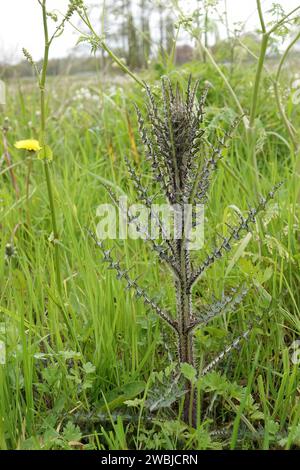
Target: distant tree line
[
  {"x": 140, "y": 29},
  {"x": 137, "y": 30},
  {"x": 144, "y": 31}
]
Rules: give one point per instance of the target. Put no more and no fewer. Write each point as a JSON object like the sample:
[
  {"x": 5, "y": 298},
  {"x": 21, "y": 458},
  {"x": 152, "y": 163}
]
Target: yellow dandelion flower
[{"x": 30, "y": 144}]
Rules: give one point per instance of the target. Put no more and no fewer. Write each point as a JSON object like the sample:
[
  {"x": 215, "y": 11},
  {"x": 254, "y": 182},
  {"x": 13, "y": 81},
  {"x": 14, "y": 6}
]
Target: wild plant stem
[
  {"x": 258, "y": 75},
  {"x": 260, "y": 64},
  {"x": 29, "y": 167},
  {"x": 261, "y": 16},
  {"x": 205, "y": 50},
  {"x": 223, "y": 76},
  {"x": 54, "y": 229},
  {"x": 261, "y": 60},
  {"x": 42, "y": 84},
  {"x": 112, "y": 55},
  {"x": 281, "y": 110},
  {"x": 205, "y": 33}
]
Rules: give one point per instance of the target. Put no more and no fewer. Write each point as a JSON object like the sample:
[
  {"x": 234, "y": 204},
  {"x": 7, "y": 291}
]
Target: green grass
[{"x": 80, "y": 374}]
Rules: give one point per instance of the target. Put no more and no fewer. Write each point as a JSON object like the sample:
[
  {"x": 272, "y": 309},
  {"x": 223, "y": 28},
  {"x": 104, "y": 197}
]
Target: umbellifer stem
[{"x": 42, "y": 84}]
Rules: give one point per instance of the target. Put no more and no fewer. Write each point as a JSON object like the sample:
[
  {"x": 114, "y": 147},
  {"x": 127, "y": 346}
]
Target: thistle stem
[{"x": 184, "y": 303}]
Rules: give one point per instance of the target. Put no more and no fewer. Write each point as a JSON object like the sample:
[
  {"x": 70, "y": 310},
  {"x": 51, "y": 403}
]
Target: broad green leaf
[
  {"x": 118, "y": 396},
  {"x": 188, "y": 371},
  {"x": 89, "y": 368},
  {"x": 72, "y": 432},
  {"x": 239, "y": 252},
  {"x": 46, "y": 153},
  {"x": 266, "y": 298}
]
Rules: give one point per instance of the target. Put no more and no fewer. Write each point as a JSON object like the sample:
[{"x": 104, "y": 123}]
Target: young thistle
[{"x": 183, "y": 163}]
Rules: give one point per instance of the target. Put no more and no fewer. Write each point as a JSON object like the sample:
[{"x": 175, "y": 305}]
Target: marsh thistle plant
[{"x": 183, "y": 162}]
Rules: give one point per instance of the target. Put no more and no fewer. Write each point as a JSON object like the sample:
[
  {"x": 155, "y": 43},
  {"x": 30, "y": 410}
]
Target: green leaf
[
  {"x": 188, "y": 371},
  {"x": 239, "y": 252},
  {"x": 247, "y": 267},
  {"x": 257, "y": 415},
  {"x": 89, "y": 368},
  {"x": 72, "y": 432},
  {"x": 46, "y": 153},
  {"x": 265, "y": 297},
  {"x": 267, "y": 274},
  {"x": 134, "y": 403},
  {"x": 118, "y": 396},
  {"x": 273, "y": 427},
  {"x": 214, "y": 381}
]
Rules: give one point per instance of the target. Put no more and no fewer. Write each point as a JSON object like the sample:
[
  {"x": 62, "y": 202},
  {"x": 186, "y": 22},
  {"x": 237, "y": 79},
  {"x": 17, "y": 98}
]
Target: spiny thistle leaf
[
  {"x": 235, "y": 234},
  {"x": 132, "y": 284}
]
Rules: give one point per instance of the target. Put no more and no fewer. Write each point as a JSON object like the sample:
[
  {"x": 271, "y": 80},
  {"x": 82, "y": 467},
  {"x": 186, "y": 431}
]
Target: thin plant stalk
[
  {"x": 260, "y": 65},
  {"x": 8, "y": 160},
  {"x": 263, "y": 49},
  {"x": 42, "y": 85},
  {"x": 29, "y": 168},
  {"x": 290, "y": 130},
  {"x": 99, "y": 42}
]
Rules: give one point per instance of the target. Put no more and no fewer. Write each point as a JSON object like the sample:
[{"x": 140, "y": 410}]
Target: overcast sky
[{"x": 20, "y": 24}]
